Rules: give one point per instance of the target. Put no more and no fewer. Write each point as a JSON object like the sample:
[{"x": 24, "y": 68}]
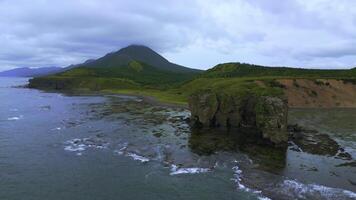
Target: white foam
[
  {"x": 121, "y": 151},
  {"x": 57, "y": 129},
  {"x": 238, "y": 178},
  {"x": 194, "y": 170},
  {"x": 79, "y": 145},
  {"x": 264, "y": 198},
  {"x": 15, "y": 118},
  {"x": 306, "y": 190},
  {"x": 138, "y": 157},
  {"x": 75, "y": 148}
]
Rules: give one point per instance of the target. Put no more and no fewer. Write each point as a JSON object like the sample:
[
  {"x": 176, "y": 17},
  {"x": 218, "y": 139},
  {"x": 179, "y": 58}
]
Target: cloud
[{"x": 315, "y": 33}]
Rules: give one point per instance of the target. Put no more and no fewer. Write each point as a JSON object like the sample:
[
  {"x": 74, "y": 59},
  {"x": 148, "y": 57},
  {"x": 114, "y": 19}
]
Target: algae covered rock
[
  {"x": 271, "y": 118},
  {"x": 209, "y": 109},
  {"x": 203, "y": 107},
  {"x": 228, "y": 113},
  {"x": 266, "y": 115}
]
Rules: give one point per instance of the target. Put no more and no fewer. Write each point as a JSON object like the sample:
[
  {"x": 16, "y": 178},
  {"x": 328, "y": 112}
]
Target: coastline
[{"x": 151, "y": 99}]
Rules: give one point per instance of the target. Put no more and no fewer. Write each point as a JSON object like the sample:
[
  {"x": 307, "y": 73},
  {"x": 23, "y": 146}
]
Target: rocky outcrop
[{"x": 267, "y": 115}]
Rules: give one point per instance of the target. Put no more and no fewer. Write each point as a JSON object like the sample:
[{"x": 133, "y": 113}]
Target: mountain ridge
[
  {"x": 135, "y": 63},
  {"x": 139, "y": 53},
  {"x": 30, "y": 72}
]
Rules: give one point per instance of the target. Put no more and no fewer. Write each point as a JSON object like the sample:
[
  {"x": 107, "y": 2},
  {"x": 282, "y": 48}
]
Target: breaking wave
[
  {"x": 15, "y": 118},
  {"x": 238, "y": 178},
  {"x": 307, "y": 191},
  {"x": 175, "y": 170},
  {"x": 80, "y": 145}
]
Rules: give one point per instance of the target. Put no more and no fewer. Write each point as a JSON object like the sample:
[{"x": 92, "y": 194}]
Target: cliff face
[
  {"x": 267, "y": 115},
  {"x": 320, "y": 93}
]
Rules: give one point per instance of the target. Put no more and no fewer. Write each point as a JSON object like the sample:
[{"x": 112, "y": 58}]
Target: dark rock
[
  {"x": 267, "y": 115},
  {"x": 347, "y": 164},
  {"x": 344, "y": 156},
  {"x": 203, "y": 107},
  {"x": 271, "y": 119},
  {"x": 352, "y": 182},
  {"x": 298, "y": 129},
  {"x": 313, "y": 142}
]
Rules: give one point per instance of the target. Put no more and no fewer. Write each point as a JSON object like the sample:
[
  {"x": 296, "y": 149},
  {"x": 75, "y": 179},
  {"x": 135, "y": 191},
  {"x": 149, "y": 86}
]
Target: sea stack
[{"x": 266, "y": 115}]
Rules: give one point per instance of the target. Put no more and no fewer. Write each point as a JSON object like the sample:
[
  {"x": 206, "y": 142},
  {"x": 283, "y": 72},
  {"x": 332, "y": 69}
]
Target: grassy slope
[
  {"x": 229, "y": 70},
  {"x": 237, "y": 78},
  {"x": 138, "y": 72},
  {"x": 180, "y": 94},
  {"x": 137, "y": 78},
  {"x": 141, "y": 79}
]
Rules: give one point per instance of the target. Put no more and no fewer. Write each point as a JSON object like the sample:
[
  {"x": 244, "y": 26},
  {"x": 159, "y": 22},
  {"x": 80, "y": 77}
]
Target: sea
[{"x": 56, "y": 146}]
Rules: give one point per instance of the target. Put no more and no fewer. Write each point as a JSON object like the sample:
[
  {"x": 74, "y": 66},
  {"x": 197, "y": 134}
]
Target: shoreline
[
  {"x": 151, "y": 99},
  {"x": 147, "y": 98}
]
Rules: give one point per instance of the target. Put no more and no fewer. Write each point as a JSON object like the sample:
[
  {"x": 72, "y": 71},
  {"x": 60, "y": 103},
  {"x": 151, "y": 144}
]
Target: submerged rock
[
  {"x": 347, "y": 164},
  {"x": 313, "y": 142},
  {"x": 267, "y": 115}
]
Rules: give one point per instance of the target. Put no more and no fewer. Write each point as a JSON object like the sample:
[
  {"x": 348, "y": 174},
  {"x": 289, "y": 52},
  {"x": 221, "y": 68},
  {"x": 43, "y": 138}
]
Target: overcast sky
[{"x": 194, "y": 33}]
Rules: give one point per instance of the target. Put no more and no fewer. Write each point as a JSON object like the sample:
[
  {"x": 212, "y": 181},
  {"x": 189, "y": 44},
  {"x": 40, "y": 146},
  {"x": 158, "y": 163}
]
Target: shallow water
[{"x": 54, "y": 146}]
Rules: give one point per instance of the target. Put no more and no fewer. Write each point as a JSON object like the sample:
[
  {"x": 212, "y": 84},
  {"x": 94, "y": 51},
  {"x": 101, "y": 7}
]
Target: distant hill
[
  {"x": 227, "y": 70},
  {"x": 140, "y": 54},
  {"x": 135, "y": 65},
  {"x": 136, "y": 71},
  {"x": 30, "y": 72}
]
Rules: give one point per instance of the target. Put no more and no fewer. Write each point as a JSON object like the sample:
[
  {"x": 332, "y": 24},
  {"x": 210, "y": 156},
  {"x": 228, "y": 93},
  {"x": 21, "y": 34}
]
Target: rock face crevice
[{"x": 267, "y": 115}]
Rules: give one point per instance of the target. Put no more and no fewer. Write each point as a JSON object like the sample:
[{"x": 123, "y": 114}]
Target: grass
[
  {"x": 138, "y": 72},
  {"x": 237, "y": 86},
  {"x": 179, "y": 95},
  {"x": 229, "y": 70},
  {"x": 109, "y": 85},
  {"x": 175, "y": 88},
  {"x": 163, "y": 96}
]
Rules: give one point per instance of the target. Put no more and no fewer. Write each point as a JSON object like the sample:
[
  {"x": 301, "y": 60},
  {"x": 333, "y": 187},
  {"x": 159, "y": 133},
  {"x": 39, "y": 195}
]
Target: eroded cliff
[
  {"x": 320, "y": 93},
  {"x": 267, "y": 115}
]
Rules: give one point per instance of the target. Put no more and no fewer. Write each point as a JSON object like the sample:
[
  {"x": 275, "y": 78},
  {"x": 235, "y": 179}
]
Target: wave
[
  {"x": 56, "y": 129},
  {"x": 307, "y": 191},
  {"x": 175, "y": 170},
  {"x": 238, "y": 178},
  {"x": 15, "y": 118},
  {"x": 75, "y": 148},
  {"x": 123, "y": 151},
  {"x": 138, "y": 157},
  {"x": 80, "y": 145}
]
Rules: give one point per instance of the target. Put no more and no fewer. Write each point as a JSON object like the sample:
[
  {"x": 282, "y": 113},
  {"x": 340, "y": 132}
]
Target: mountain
[
  {"x": 140, "y": 54},
  {"x": 30, "y": 72},
  {"x": 134, "y": 66}
]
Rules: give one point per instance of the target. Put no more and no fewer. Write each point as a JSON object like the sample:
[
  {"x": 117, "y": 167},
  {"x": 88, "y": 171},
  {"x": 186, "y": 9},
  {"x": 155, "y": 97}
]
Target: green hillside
[
  {"x": 141, "y": 71},
  {"x": 247, "y": 79},
  {"x": 136, "y": 71},
  {"x": 138, "y": 53},
  {"x": 131, "y": 67},
  {"x": 247, "y": 70}
]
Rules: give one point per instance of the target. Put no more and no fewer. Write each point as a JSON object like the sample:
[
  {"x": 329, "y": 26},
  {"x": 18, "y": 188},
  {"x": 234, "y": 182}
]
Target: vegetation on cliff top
[{"x": 229, "y": 70}]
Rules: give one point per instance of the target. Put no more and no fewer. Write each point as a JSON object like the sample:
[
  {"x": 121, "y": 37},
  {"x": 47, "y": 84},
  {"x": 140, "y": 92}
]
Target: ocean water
[{"x": 94, "y": 147}]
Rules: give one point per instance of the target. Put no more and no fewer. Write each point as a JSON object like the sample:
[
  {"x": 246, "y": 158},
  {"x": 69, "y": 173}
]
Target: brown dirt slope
[{"x": 321, "y": 93}]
